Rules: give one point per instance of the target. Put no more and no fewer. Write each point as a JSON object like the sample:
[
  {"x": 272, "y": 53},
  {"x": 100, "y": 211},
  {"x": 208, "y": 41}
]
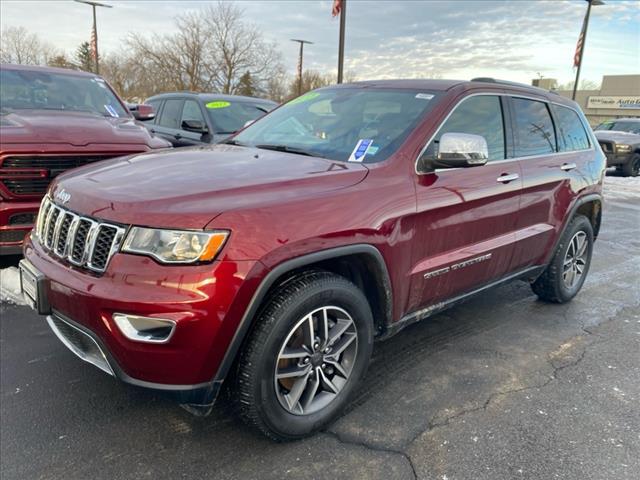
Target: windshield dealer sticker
[
  {"x": 219, "y": 104},
  {"x": 360, "y": 151},
  {"x": 424, "y": 96}
]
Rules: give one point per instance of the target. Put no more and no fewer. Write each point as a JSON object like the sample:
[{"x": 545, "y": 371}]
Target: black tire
[
  {"x": 551, "y": 285},
  {"x": 255, "y": 381},
  {"x": 632, "y": 167}
]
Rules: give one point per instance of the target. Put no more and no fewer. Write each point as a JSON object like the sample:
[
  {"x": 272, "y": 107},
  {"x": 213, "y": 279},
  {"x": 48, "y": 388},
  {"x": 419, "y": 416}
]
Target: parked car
[
  {"x": 52, "y": 120},
  {"x": 275, "y": 260},
  {"x": 620, "y": 141},
  {"x": 630, "y": 125},
  {"x": 188, "y": 119}
]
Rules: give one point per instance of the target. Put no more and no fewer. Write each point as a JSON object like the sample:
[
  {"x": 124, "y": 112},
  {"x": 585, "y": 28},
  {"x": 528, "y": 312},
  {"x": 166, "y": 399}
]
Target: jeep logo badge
[{"x": 62, "y": 196}]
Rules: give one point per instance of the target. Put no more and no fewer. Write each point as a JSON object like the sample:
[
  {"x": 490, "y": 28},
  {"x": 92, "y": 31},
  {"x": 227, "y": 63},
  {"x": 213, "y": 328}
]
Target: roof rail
[{"x": 508, "y": 82}]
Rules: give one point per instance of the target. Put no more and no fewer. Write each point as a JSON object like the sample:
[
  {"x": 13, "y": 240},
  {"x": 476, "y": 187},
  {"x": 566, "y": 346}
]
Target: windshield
[
  {"x": 341, "y": 124},
  {"x": 24, "y": 89},
  {"x": 631, "y": 127},
  {"x": 229, "y": 117}
]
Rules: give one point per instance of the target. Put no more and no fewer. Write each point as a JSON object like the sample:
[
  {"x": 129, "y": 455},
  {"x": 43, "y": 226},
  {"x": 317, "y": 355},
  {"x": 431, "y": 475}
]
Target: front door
[{"x": 466, "y": 217}]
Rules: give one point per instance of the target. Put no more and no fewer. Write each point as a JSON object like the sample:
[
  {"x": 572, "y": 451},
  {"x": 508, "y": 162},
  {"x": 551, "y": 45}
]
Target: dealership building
[{"x": 619, "y": 96}]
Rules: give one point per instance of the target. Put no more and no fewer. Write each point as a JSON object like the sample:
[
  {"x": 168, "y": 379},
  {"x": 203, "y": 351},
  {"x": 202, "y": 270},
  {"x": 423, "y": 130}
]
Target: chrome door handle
[
  {"x": 508, "y": 178},
  {"x": 568, "y": 166}
]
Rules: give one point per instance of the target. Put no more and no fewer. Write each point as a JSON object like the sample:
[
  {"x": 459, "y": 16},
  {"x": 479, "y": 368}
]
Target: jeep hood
[
  {"x": 70, "y": 128},
  {"x": 187, "y": 188}
]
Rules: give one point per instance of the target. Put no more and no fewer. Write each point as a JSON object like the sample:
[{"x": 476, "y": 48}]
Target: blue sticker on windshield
[
  {"x": 360, "y": 151},
  {"x": 111, "y": 110}
]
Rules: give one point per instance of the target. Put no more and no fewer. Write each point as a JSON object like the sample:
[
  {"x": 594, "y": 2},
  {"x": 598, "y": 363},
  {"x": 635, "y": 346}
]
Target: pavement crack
[{"x": 374, "y": 448}]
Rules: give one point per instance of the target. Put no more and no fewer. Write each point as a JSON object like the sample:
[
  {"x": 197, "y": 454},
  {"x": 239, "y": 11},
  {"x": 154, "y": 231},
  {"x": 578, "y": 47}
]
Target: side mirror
[
  {"x": 141, "y": 111},
  {"x": 197, "y": 126},
  {"x": 458, "y": 150}
]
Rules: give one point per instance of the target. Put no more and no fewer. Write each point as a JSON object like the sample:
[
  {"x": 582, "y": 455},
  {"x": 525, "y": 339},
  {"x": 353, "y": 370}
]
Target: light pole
[
  {"x": 301, "y": 42},
  {"x": 94, "y": 32},
  {"x": 582, "y": 40}
]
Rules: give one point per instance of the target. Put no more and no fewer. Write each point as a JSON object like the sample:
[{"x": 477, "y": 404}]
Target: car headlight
[
  {"x": 623, "y": 148},
  {"x": 174, "y": 246}
]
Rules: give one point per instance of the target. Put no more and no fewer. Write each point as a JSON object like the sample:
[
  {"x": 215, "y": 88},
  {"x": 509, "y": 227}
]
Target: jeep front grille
[{"x": 82, "y": 241}]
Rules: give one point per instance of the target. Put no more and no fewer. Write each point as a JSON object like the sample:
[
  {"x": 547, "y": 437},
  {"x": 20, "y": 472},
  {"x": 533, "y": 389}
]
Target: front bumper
[
  {"x": 205, "y": 301},
  {"x": 618, "y": 158}
]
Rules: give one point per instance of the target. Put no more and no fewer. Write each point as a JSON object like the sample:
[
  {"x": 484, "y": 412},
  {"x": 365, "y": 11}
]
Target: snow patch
[
  {"x": 622, "y": 187},
  {"x": 10, "y": 286}
]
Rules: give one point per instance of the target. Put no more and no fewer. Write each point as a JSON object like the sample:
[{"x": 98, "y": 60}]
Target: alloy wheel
[
  {"x": 316, "y": 360},
  {"x": 575, "y": 260}
]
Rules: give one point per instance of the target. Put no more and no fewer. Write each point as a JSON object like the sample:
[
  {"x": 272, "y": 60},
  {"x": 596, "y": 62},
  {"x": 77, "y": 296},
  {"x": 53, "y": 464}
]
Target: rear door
[
  {"x": 553, "y": 147},
  {"x": 466, "y": 217},
  {"x": 167, "y": 124}
]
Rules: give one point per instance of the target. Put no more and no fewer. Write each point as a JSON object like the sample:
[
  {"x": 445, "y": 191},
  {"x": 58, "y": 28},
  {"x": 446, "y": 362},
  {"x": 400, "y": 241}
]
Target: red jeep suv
[
  {"x": 52, "y": 120},
  {"x": 273, "y": 262}
]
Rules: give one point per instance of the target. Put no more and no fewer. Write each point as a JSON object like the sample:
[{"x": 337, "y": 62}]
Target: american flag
[
  {"x": 580, "y": 45},
  {"x": 94, "y": 43},
  {"x": 336, "y": 8}
]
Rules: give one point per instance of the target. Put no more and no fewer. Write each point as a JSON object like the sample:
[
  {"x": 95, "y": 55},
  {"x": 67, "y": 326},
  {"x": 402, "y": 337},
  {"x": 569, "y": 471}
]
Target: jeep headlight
[
  {"x": 623, "y": 148},
  {"x": 174, "y": 246}
]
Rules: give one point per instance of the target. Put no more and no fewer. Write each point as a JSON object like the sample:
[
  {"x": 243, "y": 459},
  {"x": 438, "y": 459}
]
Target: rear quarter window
[{"x": 571, "y": 133}]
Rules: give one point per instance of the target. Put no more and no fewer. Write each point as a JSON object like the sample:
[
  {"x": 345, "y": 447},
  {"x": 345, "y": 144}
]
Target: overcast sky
[{"x": 386, "y": 39}]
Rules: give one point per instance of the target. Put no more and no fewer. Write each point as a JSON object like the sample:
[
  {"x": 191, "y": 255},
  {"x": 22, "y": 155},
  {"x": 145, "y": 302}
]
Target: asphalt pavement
[{"x": 501, "y": 387}]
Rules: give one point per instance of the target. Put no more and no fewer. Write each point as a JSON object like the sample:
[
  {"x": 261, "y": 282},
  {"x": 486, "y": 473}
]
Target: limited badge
[{"x": 360, "y": 151}]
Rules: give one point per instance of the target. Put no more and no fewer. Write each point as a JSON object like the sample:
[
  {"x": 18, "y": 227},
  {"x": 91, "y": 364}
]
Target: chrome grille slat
[{"x": 82, "y": 241}]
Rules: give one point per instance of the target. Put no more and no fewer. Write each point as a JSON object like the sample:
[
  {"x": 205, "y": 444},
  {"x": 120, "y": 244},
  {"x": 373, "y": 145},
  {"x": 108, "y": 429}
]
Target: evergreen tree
[
  {"x": 83, "y": 57},
  {"x": 246, "y": 85}
]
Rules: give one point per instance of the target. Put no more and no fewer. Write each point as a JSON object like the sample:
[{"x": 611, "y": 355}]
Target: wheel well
[
  {"x": 593, "y": 211},
  {"x": 364, "y": 271}
]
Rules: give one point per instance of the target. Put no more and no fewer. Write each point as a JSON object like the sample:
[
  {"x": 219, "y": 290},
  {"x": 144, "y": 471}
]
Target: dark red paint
[
  {"x": 280, "y": 206},
  {"x": 46, "y": 133}
]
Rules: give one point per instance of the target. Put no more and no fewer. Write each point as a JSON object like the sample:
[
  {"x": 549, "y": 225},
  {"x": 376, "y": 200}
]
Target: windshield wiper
[
  {"x": 288, "y": 149},
  {"x": 233, "y": 142}
]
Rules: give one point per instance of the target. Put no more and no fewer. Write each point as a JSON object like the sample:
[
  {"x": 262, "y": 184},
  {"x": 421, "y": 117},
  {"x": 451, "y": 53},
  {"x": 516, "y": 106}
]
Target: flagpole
[
  {"x": 343, "y": 14},
  {"x": 95, "y": 33},
  {"x": 584, "y": 43},
  {"x": 95, "y": 27}
]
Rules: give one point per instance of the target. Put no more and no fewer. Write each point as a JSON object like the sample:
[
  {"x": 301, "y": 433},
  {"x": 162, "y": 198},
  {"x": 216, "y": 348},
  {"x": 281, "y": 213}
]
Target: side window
[
  {"x": 571, "y": 133},
  {"x": 480, "y": 115},
  {"x": 191, "y": 111},
  {"x": 156, "y": 104},
  {"x": 171, "y": 112},
  {"x": 533, "y": 128}
]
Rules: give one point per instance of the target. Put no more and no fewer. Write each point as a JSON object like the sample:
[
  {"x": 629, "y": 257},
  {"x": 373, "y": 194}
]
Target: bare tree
[
  {"x": 238, "y": 47},
  {"x": 585, "y": 84},
  {"x": 179, "y": 61},
  {"x": 18, "y": 45}
]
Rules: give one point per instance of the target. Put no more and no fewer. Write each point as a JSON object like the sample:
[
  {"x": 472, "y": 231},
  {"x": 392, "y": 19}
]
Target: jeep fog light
[{"x": 145, "y": 329}]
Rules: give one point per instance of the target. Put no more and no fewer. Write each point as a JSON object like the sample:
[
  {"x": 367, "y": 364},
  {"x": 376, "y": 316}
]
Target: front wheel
[
  {"x": 567, "y": 271},
  {"x": 632, "y": 167},
  {"x": 308, "y": 352}
]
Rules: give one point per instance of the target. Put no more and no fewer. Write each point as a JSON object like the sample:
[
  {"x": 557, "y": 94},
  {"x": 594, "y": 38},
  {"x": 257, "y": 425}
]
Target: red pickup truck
[
  {"x": 51, "y": 120},
  {"x": 272, "y": 262}
]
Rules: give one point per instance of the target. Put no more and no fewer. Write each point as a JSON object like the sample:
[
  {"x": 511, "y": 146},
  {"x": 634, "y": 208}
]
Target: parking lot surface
[{"x": 501, "y": 387}]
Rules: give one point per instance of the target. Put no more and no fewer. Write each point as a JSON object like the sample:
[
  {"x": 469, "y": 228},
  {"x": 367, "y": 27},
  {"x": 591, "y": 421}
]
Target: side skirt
[{"x": 530, "y": 273}]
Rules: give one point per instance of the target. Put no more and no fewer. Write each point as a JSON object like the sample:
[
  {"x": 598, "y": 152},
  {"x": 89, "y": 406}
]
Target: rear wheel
[
  {"x": 309, "y": 350},
  {"x": 632, "y": 167},
  {"x": 566, "y": 273}
]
